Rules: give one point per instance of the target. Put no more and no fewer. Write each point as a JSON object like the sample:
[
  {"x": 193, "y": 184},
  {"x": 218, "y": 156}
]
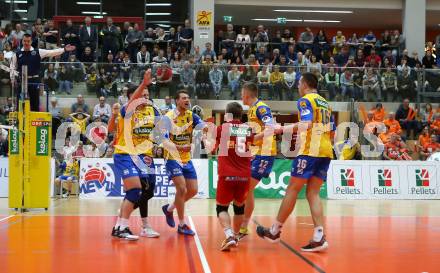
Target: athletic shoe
[
  {"x": 316, "y": 246},
  {"x": 169, "y": 216},
  {"x": 265, "y": 233},
  {"x": 185, "y": 230},
  {"x": 149, "y": 232},
  {"x": 115, "y": 232},
  {"x": 126, "y": 234},
  {"x": 242, "y": 233},
  {"x": 228, "y": 243}
]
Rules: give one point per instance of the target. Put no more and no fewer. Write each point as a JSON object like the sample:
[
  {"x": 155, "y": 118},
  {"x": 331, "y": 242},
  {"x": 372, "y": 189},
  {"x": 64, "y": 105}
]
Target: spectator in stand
[
  {"x": 88, "y": 35},
  {"x": 306, "y": 40},
  {"x": 4, "y": 149},
  {"x": 249, "y": 75},
  {"x": 102, "y": 110},
  {"x": 202, "y": 78},
  {"x": 369, "y": 41},
  {"x": 164, "y": 77},
  {"x": 134, "y": 40},
  {"x": 389, "y": 84},
  {"x": 169, "y": 54},
  {"x": 358, "y": 79},
  {"x": 314, "y": 65},
  {"x": 277, "y": 81},
  {"x": 263, "y": 80},
  {"x": 289, "y": 84},
  {"x": 160, "y": 59},
  {"x": 92, "y": 82},
  {"x": 143, "y": 59},
  {"x": 209, "y": 51},
  {"x": 396, "y": 149},
  {"x": 338, "y": 42},
  {"x": 243, "y": 39},
  {"x": 8, "y": 52},
  {"x": 75, "y": 68},
  {"x": 393, "y": 124},
  {"x": 353, "y": 42},
  {"x": 342, "y": 58},
  {"x": 70, "y": 36},
  {"x": 54, "y": 109},
  {"x": 430, "y": 146},
  {"x": 359, "y": 59},
  {"x": 424, "y": 137},
  {"x": 371, "y": 84},
  {"x": 50, "y": 78},
  {"x": 320, "y": 43},
  {"x": 347, "y": 85},
  {"x": 291, "y": 54},
  {"x": 427, "y": 114},
  {"x": 9, "y": 106},
  {"x": 80, "y": 106},
  {"x": 216, "y": 79},
  {"x": 229, "y": 38},
  {"x": 378, "y": 112},
  {"x": 403, "y": 65},
  {"x": 126, "y": 68},
  {"x": 123, "y": 98},
  {"x": 187, "y": 78},
  {"x": 16, "y": 36},
  {"x": 376, "y": 58},
  {"x": 332, "y": 83},
  {"x": 287, "y": 40},
  {"x": 261, "y": 54},
  {"x": 388, "y": 59},
  {"x": 261, "y": 38},
  {"x": 406, "y": 116},
  {"x": 397, "y": 41},
  {"x": 385, "y": 137},
  {"x": 168, "y": 106},
  {"x": 234, "y": 80},
  {"x": 283, "y": 64},
  {"x": 110, "y": 38},
  {"x": 405, "y": 84},
  {"x": 88, "y": 59},
  {"x": 186, "y": 36},
  {"x": 435, "y": 125},
  {"x": 414, "y": 60},
  {"x": 65, "y": 80},
  {"x": 429, "y": 61},
  {"x": 51, "y": 35}
]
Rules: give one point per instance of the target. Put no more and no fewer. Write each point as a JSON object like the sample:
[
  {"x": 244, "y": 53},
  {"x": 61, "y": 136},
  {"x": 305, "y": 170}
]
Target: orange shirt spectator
[
  {"x": 393, "y": 124},
  {"x": 435, "y": 125},
  {"x": 379, "y": 113},
  {"x": 430, "y": 147},
  {"x": 424, "y": 138},
  {"x": 392, "y": 151},
  {"x": 386, "y": 137}
]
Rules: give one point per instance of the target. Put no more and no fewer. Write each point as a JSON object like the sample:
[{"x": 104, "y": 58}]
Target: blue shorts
[
  {"x": 307, "y": 166},
  {"x": 125, "y": 166},
  {"x": 67, "y": 177},
  {"x": 174, "y": 169},
  {"x": 261, "y": 166}
]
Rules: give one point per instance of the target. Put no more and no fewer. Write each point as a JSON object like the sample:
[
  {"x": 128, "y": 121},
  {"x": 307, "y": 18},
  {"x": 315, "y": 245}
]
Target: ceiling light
[
  {"x": 294, "y": 20},
  {"x": 93, "y": 12},
  {"x": 321, "y": 21},
  {"x": 275, "y": 20},
  {"x": 157, "y": 13},
  {"x": 20, "y": 10},
  {"x": 258, "y": 19},
  {"x": 163, "y": 25},
  {"x": 313, "y": 11},
  {"x": 17, "y": 2},
  {"x": 89, "y": 3},
  {"x": 98, "y": 16},
  {"x": 158, "y": 4}
]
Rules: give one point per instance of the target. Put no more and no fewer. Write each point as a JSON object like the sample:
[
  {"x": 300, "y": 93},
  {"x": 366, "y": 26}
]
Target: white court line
[
  {"x": 203, "y": 259},
  {"x": 10, "y": 216}
]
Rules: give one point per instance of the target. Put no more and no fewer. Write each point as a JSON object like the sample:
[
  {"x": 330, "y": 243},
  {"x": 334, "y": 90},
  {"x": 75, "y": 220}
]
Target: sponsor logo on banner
[
  {"x": 386, "y": 181},
  {"x": 204, "y": 18},
  {"x": 42, "y": 141},
  {"x": 14, "y": 142},
  {"x": 423, "y": 184},
  {"x": 349, "y": 182},
  {"x": 96, "y": 180}
]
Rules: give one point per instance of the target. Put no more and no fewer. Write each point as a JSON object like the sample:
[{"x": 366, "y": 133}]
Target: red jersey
[{"x": 233, "y": 141}]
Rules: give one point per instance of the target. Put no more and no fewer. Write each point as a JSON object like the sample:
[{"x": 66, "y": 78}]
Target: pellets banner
[
  {"x": 384, "y": 180},
  {"x": 99, "y": 179}
]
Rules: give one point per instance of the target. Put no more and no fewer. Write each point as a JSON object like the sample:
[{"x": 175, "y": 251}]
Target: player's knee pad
[
  {"x": 238, "y": 210},
  {"x": 133, "y": 195},
  {"x": 221, "y": 209}
]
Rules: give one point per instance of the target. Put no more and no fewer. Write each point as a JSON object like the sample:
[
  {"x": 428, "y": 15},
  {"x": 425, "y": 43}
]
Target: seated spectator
[
  {"x": 81, "y": 119},
  {"x": 314, "y": 65},
  {"x": 79, "y": 152},
  {"x": 376, "y": 58},
  {"x": 291, "y": 54},
  {"x": 396, "y": 149},
  {"x": 3, "y": 118},
  {"x": 389, "y": 58},
  {"x": 359, "y": 59},
  {"x": 203, "y": 84},
  {"x": 424, "y": 138},
  {"x": 187, "y": 78},
  {"x": 371, "y": 84},
  {"x": 9, "y": 106},
  {"x": 320, "y": 43},
  {"x": 126, "y": 68},
  {"x": 5, "y": 77},
  {"x": 164, "y": 77},
  {"x": 261, "y": 54},
  {"x": 261, "y": 38},
  {"x": 354, "y": 43},
  {"x": 123, "y": 98},
  {"x": 143, "y": 59},
  {"x": 65, "y": 81},
  {"x": 75, "y": 68},
  {"x": 102, "y": 110},
  {"x": 263, "y": 80},
  {"x": 4, "y": 143},
  {"x": 405, "y": 84},
  {"x": 385, "y": 137},
  {"x": 243, "y": 39},
  {"x": 253, "y": 63},
  {"x": 347, "y": 85},
  {"x": 248, "y": 75},
  {"x": 80, "y": 106},
  {"x": 176, "y": 63},
  {"x": 428, "y": 60},
  {"x": 234, "y": 80},
  {"x": 430, "y": 146},
  {"x": 276, "y": 80},
  {"x": 435, "y": 125},
  {"x": 288, "y": 41},
  {"x": 289, "y": 84},
  {"x": 229, "y": 38},
  {"x": 332, "y": 83},
  {"x": 393, "y": 124},
  {"x": 389, "y": 82},
  {"x": 427, "y": 114},
  {"x": 300, "y": 61},
  {"x": 168, "y": 105},
  {"x": 92, "y": 82},
  {"x": 306, "y": 40},
  {"x": 338, "y": 42},
  {"x": 406, "y": 117},
  {"x": 216, "y": 79},
  {"x": 403, "y": 65},
  {"x": 379, "y": 112},
  {"x": 160, "y": 58},
  {"x": 50, "y": 78},
  {"x": 209, "y": 51},
  {"x": 341, "y": 58}
]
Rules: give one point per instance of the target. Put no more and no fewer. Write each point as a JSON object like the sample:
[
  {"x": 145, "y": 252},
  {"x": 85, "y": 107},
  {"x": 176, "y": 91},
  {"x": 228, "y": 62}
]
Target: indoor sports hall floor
[{"x": 364, "y": 236}]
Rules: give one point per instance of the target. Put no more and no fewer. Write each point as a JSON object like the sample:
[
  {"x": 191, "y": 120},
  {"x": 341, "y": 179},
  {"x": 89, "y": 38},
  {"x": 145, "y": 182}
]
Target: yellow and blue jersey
[
  {"x": 134, "y": 134},
  {"x": 179, "y": 128},
  {"x": 315, "y": 141},
  {"x": 72, "y": 169},
  {"x": 260, "y": 114}
]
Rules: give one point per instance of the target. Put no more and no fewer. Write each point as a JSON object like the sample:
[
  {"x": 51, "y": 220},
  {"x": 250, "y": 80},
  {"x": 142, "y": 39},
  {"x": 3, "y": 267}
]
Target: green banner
[
  {"x": 14, "y": 143},
  {"x": 42, "y": 141},
  {"x": 273, "y": 187}
]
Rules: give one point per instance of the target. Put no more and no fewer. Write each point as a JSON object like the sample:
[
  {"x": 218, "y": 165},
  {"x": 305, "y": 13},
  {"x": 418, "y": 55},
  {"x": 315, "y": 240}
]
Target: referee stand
[{"x": 30, "y": 141}]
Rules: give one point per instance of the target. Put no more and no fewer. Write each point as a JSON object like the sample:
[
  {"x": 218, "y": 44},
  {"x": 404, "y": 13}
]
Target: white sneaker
[{"x": 149, "y": 232}]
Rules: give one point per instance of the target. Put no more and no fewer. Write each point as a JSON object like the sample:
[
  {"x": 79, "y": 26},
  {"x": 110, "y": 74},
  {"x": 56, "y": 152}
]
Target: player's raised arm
[{"x": 144, "y": 84}]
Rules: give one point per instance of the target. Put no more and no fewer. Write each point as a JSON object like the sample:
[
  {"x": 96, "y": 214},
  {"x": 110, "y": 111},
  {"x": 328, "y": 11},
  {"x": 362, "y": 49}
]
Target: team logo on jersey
[
  {"x": 321, "y": 103},
  {"x": 97, "y": 180},
  {"x": 305, "y": 112},
  {"x": 33, "y": 53},
  {"x": 303, "y": 104},
  {"x": 262, "y": 110},
  {"x": 266, "y": 119}
]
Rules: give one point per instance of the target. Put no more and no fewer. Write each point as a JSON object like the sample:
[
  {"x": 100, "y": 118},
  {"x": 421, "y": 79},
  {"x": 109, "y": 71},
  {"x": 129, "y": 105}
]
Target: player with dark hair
[{"x": 311, "y": 164}]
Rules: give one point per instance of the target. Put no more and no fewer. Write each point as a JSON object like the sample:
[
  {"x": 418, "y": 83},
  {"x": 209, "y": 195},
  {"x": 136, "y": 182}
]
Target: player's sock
[
  {"x": 245, "y": 222},
  {"x": 118, "y": 222},
  {"x": 318, "y": 232},
  {"x": 228, "y": 232},
  {"x": 144, "y": 222},
  {"x": 182, "y": 222},
  {"x": 276, "y": 227},
  {"x": 123, "y": 224},
  {"x": 171, "y": 207}
]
